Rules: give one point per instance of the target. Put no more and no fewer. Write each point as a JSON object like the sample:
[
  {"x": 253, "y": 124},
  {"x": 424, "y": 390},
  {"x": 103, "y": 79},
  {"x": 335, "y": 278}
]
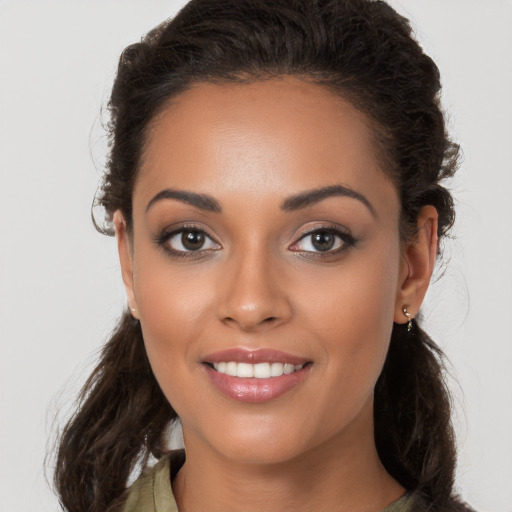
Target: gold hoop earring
[{"x": 409, "y": 317}]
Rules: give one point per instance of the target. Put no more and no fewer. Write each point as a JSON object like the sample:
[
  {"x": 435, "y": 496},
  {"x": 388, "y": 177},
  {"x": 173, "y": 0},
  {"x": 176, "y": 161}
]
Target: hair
[{"x": 360, "y": 49}]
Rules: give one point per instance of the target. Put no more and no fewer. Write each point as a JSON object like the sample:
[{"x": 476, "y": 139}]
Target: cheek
[
  {"x": 169, "y": 329},
  {"x": 171, "y": 306},
  {"x": 358, "y": 294},
  {"x": 353, "y": 313}
]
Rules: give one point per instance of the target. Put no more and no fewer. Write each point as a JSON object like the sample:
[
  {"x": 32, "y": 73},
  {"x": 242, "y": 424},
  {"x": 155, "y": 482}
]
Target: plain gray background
[{"x": 60, "y": 287}]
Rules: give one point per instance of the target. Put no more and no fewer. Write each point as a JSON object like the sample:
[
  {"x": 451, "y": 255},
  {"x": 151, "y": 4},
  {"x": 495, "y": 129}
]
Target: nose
[{"x": 253, "y": 295}]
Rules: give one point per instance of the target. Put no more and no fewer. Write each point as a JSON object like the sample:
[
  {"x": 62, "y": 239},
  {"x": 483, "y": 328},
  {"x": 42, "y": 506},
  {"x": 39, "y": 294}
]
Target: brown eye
[
  {"x": 323, "y": 240},
  {"x": 189, "y": 240},
  {"x": 192, "y": 240}
]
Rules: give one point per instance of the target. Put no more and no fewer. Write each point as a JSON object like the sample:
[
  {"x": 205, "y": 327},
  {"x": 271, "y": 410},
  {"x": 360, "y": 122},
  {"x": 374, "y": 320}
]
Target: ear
[
  {"x": 417, "y": 265},
  {"x": 126, "y": 258}
]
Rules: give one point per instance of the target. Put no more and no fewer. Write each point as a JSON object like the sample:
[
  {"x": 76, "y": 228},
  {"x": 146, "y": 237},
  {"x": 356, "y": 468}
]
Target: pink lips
[
  {"x": 251, "y": 389},
  {"x": 261, "y": 355}
]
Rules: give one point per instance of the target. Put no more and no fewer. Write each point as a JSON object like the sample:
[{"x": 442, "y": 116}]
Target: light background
[{"x": 60, "y": 287}]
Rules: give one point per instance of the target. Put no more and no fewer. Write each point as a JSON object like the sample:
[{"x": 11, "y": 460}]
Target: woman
[{"x": 275, "y": 188}]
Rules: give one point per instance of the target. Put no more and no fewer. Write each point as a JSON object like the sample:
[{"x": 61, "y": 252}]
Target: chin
[
  {"x": 261, "y": 440},
  {"x": 260, "y": 452}
]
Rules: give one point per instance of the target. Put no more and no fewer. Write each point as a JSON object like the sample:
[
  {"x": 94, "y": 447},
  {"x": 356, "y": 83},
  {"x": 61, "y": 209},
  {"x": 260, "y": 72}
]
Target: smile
[
  {"x": 255, "y": 375},
  {"x": 259, "y": 370}
]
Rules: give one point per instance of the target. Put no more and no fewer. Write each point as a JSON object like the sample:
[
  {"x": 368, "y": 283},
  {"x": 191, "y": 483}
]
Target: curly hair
[{"x": 362, "y": 50}]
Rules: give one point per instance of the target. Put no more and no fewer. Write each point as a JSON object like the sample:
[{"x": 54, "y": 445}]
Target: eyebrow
[
  {"x": 201, "y": 201},
  {"x": 313, "y": 196},
  {"x": 293, "y": 203}
]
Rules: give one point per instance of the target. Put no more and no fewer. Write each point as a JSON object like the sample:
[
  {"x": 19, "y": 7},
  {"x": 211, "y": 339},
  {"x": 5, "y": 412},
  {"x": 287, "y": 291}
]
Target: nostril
[
  {"x": 269, "y": 319},
  {"x": 251, "y": 323}
]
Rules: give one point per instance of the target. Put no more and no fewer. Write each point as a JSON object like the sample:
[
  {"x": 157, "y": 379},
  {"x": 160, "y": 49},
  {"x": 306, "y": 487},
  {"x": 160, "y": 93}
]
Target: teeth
[
  {"x": 245, "y": 370},
  {"x": 231, "y": 369},
  {"x": 276, "y": 369},
  {"x": 259, "y": 371},
  {"x": 262, "y": 371},
  {"x": 288, "y": 368}
]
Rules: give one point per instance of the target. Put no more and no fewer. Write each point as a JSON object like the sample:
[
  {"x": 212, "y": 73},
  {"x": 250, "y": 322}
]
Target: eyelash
[
  {"x": 163, "y": 241},
  {"x": 347, "y": 241}
]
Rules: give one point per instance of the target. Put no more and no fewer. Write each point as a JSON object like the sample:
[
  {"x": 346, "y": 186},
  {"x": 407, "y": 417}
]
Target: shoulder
[
  {"x": 152, "y": 491},
  {"x": 455, "y": 504},
  {"x": 417, "y": 502}
]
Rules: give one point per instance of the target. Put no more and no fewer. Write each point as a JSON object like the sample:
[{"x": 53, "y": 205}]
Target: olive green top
[{"x": 152, "y": 492}]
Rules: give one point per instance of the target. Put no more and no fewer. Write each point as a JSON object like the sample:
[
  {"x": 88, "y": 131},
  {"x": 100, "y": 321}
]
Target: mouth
[
  {"x": 255, "y": 375},
  {"x": 258, "y": 371}
]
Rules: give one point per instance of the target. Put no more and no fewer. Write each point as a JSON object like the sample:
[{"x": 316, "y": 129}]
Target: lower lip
[{"x": 254, "y": 390}]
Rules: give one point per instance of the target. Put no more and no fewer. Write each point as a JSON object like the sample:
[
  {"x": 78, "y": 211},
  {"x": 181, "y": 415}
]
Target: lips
[
  {"x": 255, "y": 375},
  {"x": 261, "y": 355}
]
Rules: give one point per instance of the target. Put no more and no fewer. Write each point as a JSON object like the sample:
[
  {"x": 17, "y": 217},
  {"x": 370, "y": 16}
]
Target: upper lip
[{"x": 254, "y": 356}]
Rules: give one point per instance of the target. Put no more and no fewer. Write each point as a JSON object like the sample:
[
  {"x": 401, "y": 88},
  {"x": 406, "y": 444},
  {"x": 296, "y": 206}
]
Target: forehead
[{"x": 274, "y": 137}]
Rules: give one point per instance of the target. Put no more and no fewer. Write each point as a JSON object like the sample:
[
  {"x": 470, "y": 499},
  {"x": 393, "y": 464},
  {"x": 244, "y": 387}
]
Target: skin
[{"x": 260, "y": 283}]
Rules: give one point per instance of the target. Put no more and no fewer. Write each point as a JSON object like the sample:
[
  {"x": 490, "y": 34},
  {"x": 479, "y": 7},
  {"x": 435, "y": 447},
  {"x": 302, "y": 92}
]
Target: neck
[{"x": 345, "y": 473}]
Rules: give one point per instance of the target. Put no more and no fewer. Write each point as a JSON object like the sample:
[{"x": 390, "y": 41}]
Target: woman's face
[{"x": 265, "y": 267}]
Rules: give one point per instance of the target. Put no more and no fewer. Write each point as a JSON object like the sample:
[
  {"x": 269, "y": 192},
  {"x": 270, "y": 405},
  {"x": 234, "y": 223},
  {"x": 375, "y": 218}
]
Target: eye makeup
[
  {"x": 323, "y": 242},
  {"x": 187, "y": 240},
  {"x": 320, "y": 242}
]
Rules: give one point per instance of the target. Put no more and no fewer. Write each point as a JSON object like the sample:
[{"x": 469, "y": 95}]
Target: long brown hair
[{"x": 362, "y": 50}]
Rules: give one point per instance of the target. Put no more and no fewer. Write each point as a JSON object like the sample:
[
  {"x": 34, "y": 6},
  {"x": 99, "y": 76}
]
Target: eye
[
  {"x": 324, "y": 240},
  {"x": 187, "y": 240}
]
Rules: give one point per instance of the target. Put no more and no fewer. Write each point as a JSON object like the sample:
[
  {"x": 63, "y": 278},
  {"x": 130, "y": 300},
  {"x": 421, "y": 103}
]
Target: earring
[{"x": 409, "y": 317}]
